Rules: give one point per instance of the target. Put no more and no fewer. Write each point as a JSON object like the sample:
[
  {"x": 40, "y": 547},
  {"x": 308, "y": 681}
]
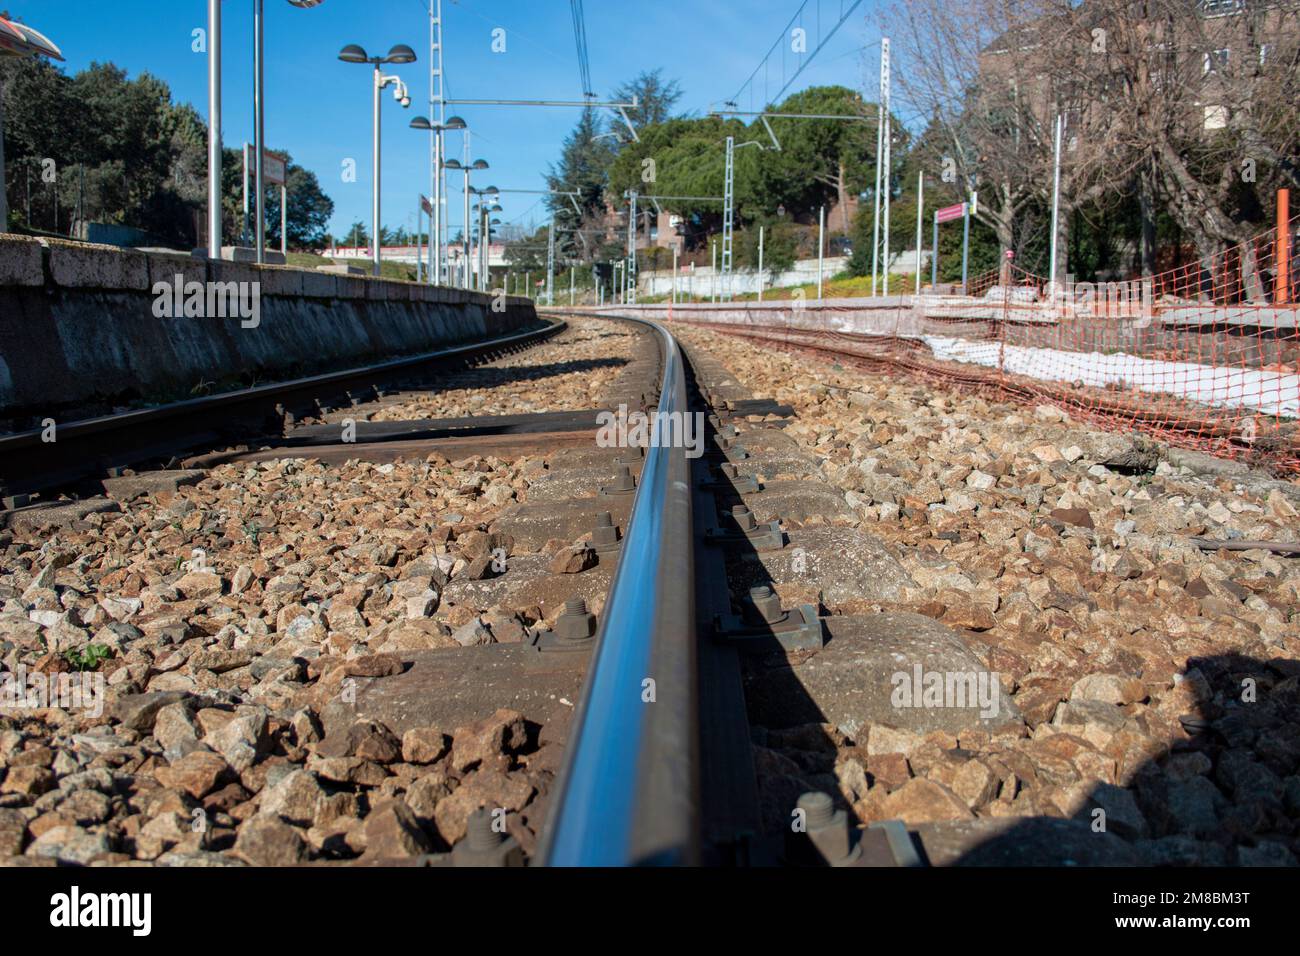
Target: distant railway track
[{"x": 93, "y": 447}]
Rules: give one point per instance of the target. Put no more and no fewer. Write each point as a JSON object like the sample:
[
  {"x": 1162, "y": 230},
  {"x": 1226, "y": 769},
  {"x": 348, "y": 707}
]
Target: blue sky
[{"x": 319, "y": 108}]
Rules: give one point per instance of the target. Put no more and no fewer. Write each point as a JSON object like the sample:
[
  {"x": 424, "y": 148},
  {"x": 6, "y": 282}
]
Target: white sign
[{"x": 274, "y": 171}]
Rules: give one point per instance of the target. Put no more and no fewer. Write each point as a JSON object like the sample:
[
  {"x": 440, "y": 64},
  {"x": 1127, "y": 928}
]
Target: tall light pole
[
  {"x": 883, "y": 178},
  {"x": 485, "y": 207},
  {"x": 259, "y": 123},
  {"x": 466, "y": 168},
  {"x": 437, "y": 129},
  {"x": 400, "y": 53},
  {"x": 214, "y": 129},
  {"x": 437, "y": 110}
]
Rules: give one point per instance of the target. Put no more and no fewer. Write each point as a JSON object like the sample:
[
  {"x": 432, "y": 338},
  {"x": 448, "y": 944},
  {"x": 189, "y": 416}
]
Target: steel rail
[{"x": 629, "y": 793}]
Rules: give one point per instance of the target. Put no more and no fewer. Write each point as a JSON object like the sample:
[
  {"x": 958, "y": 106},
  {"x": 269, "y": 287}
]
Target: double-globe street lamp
[
  {"x": 487, "y": 264},
  {"x": 486, "y": 206},
  {"x": 457, "y": 164},
  {"x": 435, "y": 245},
  {"x": 401, "y": 53}
]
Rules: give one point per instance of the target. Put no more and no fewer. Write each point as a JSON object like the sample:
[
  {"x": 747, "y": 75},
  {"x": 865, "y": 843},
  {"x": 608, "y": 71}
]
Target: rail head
[{"x": 629, "y": 791}]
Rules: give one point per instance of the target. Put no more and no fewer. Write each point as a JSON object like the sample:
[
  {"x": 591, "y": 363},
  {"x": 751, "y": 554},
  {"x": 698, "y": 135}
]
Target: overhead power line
[
  {"x": 795, "y": 51},
  {"x": 580, "y": 38}
]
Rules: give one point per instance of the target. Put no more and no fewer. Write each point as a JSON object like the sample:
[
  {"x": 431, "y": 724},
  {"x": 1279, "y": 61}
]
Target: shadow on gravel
[{"x": 1225, "y": 794}]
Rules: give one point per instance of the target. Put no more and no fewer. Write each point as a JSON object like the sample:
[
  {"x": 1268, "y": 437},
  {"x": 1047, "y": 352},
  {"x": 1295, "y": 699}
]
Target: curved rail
[
  {"x": 629, "y": 791},
  {"x": 85, "y": 446}
]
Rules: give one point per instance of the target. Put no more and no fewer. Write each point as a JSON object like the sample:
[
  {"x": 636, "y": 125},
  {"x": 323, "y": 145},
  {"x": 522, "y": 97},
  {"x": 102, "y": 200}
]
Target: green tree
[
  {"x": 780, "y": 246},
  {"x": 583, "y": 169},
  {"x": 655, "y": 97},
  {"x": 309, "y": 210},
  {"x": 120, "y": 151}
]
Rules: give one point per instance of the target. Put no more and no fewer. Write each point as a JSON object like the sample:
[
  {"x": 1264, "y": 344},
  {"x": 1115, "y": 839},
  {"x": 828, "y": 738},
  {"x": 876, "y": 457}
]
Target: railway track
[
  {"x": 606, "y": 587},
  {"x": 462, "y": 620},
  {"x": 35, "y": 459}
]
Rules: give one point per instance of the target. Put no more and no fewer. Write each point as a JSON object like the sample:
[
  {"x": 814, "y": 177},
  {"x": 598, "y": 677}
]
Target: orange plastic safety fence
[{"x": 1205, "y": 355}]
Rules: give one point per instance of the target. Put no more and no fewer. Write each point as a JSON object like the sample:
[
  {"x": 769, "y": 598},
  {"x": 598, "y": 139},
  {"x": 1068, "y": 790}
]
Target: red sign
[
  {"x": 949, "y": 213},
  {"x": 428, "y": 206}
]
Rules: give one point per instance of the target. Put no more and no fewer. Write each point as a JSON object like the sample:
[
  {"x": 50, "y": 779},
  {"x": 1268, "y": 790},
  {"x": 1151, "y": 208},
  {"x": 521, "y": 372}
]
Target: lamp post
[
  {"x": 436, "y": 130},
  {"x": 400, "y": 53},
  {"x": 486, "y": 222},
  {"x": 457, "y": 164},
  {"x": 486, "y": 205},
  {"x": 466, "y": 169},
  {"x": 214, "y": 129}
]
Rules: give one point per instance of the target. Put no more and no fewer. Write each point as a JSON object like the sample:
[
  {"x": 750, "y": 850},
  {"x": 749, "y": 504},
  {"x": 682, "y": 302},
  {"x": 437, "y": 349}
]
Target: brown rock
[
  {"x": 28, "y": 781},
  {"x": 488, "y": 739},
  {"x": 365, "y": 739},
  {"x": 1075, "y": 516},
  {"x": 484, "y": 788},
  {"x": 922, "y": 801},
  {"x": 219, "y": 660},
  {"x": 197, "y": 773},
  {"x": 1038, "y": 704},
  {"x": 424, "y": 794},
  {"x": 13, "y": 831},
  {"x": 393, "y": 831},
  {"x": 971, "y": 617},
  {"x": 888, "y": 770},
  {"x": 374, "y": 665},
  {"x": 975, "y": 783},
  {"x": 268, "y": 841},
  {"x": 295, "y": 798},
  {"x": 351, "y": 770},
  {"x": 478, "y": 569},
  {"x": 423, "y": 745},
  {"x": 574, "y": 560},
  {"x": 199, "y": 584}
]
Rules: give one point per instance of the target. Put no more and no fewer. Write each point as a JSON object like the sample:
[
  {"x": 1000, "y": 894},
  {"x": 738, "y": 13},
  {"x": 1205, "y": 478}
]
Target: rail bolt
[
  {"x": 766, "y": 605},
  {"x": 484, "y": 846},
  {"x": 605, "y": 535},
  {"x": 827, "y": 832},
  {"x": 728, "y": 470},
  {"x": 623, "y": 482},
  {"x": 743, "y": 517},
  {"x": 575, "y": 622}
]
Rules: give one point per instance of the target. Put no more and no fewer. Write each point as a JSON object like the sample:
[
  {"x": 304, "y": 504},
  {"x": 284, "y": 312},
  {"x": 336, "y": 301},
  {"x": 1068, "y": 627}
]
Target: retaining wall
[{"x": 80, "y": 329}]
